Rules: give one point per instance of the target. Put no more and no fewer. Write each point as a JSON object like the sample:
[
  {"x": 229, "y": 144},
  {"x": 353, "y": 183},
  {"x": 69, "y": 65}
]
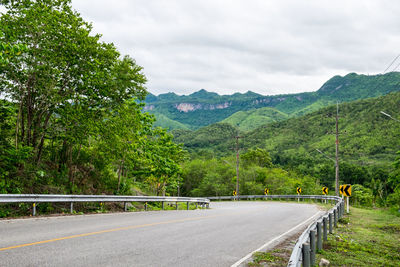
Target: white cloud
[{"x": 228, "y": 46}]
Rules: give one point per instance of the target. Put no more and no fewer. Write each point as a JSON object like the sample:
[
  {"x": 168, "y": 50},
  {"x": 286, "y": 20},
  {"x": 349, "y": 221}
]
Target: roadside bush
[{"x": 361, "y": 195}]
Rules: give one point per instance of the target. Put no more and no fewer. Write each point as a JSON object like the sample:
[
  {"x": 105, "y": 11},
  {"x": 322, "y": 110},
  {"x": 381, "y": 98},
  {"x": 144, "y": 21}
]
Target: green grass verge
[
  {"x": 270, "y": 258},
  {"x": 365, "y": 237}
]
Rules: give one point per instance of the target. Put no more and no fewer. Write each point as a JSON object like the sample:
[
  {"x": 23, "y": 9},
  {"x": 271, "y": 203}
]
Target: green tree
[
  {"x": 66, "y": 78},
  {"x": 259, "y": 157},
  {"x": 165, "y": 156}
]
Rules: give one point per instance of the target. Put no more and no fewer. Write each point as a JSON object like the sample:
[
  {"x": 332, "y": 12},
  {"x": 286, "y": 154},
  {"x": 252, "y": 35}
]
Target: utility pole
[
  {"x": 337, "y": 151},
  {"x": 237, "y": 165}
]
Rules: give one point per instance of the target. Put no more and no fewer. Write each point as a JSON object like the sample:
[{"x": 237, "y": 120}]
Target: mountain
[
  {"x": 367, "y": 138},
  {"x": 252, "y": 119},
  {"x": 165, "y": 122},
  {"x": 204, "y": 108}
]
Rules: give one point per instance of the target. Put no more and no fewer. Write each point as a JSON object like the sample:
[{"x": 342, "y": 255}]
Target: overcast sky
[{"x": 266, "y": 46}]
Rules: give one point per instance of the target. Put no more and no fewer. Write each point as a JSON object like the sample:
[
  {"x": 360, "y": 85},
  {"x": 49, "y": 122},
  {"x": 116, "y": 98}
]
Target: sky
[{"x": 265, "y": 46}]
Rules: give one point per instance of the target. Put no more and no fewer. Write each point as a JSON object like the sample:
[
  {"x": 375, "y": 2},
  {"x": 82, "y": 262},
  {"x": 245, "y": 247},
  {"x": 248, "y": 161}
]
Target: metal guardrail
[
  {"x": 303, "y": 253},
  {"x": 33, "y": 198}
]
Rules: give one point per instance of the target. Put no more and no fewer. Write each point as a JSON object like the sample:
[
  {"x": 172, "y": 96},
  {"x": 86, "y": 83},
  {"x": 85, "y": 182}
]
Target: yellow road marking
[{"x": 105, "y": 231}]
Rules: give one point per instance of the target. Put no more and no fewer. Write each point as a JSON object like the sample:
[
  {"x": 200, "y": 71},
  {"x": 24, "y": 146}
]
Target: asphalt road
[{"x": 219, "y": 236}]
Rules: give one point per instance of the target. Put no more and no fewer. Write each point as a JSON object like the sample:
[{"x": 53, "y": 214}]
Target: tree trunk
[
  {"x": 163, "y": 189},
  {"x": 40, "y": 147},
  {"x": 119, "y": 174}
]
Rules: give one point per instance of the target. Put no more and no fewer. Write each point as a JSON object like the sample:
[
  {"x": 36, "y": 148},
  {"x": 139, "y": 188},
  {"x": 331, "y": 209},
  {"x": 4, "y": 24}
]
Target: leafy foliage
[{"x": 217, "y": 177}]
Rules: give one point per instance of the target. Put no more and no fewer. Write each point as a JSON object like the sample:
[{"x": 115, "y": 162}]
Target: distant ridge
[{"x": 203, "y": 108}]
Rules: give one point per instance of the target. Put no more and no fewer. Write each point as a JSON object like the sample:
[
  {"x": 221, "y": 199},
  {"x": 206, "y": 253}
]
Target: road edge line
[{"x": 236, "y": 264}]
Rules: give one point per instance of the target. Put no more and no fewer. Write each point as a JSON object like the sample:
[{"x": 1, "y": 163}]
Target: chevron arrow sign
[
  {"x": 347, "y": 190},
  {"x": 325, "y": 190}
]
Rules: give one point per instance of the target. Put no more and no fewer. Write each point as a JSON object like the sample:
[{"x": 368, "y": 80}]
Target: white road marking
[{"x": 236, "y": 264}]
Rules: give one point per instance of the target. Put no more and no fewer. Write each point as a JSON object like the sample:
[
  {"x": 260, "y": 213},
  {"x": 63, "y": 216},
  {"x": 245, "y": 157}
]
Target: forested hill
[
  {"x": 204, "y": 108},
  {"x": 368, "y": 137}
]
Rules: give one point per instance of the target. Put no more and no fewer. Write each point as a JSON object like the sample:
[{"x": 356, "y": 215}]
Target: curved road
[{"x": 220, "y": 236}]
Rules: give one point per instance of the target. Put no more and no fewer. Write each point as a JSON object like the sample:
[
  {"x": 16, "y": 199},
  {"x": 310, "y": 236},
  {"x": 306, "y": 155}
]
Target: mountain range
[{"x": 250, "y": 110}]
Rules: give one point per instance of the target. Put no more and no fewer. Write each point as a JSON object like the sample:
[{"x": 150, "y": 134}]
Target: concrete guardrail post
[
  {"x": 125, "y": 206},
  {"x": 71, "y": 207},
  {"x": 306, "y": 255},
  {"x": 319, "y": 236},
  {"x": 330, "y": 223},
  {"x": 187, "y": 205},
  {"x": 325, "y": 225},
  {"x": 312, "y": 247},
  {"x": 342, "y": 209},
  {"x": 162, "y": 205}
]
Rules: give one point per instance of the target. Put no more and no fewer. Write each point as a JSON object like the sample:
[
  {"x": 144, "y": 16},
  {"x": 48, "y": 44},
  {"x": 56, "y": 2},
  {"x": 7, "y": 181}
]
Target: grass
[
  {"x": 365, "y": 237},
  {"x": 270, "y": 258}
]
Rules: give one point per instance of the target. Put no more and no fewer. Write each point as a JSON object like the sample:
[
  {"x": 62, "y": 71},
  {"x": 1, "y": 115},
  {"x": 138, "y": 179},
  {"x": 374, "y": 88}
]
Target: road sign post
[
  {"x": 298, "y": 190},
  {"x": 345, "y": 190},
  {"x": 325, "y": 192}
]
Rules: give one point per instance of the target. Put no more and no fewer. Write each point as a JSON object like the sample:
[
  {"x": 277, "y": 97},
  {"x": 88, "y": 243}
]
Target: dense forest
[
  {"x": 369, "y": 142},
  {"x": 73, "y": 121}
]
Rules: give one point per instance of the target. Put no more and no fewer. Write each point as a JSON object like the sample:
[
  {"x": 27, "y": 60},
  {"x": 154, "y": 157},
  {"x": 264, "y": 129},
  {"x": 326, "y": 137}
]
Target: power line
[
  {"x": 396, "y": 67},
  {"x": 391, "y": 63}
]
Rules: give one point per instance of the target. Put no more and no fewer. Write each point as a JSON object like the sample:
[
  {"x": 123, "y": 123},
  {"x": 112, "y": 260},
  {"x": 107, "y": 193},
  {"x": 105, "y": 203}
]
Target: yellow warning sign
[{"x": 325, "y": 190}]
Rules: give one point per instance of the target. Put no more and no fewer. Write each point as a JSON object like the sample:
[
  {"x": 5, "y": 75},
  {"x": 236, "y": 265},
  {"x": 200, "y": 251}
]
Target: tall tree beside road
[
  {"x": 66, "y": 78},
  {"x": 72, "y": 119}
]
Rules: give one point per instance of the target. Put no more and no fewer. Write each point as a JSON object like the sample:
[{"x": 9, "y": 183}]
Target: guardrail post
[
  {"x": 187, "y": 205},
  {"x": 34, "y": 209},
  {"x": 342, "y": 208},
  {"x": 145, "y": 206},
  {"x": 125, "y": 206},
  {"x": 196, "y": 205},
  {"x": 325, "y": 224},
  {"x": 71, "y": 208},
  {"x": 330, "y": 223},
  {"x": 319, "y": 236},
  {"x": 306, "y": 255},
  {"x": 176, "y": 205},
  {"x": 312, "y": 247},
  {"x": 335, "y": 217}
]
